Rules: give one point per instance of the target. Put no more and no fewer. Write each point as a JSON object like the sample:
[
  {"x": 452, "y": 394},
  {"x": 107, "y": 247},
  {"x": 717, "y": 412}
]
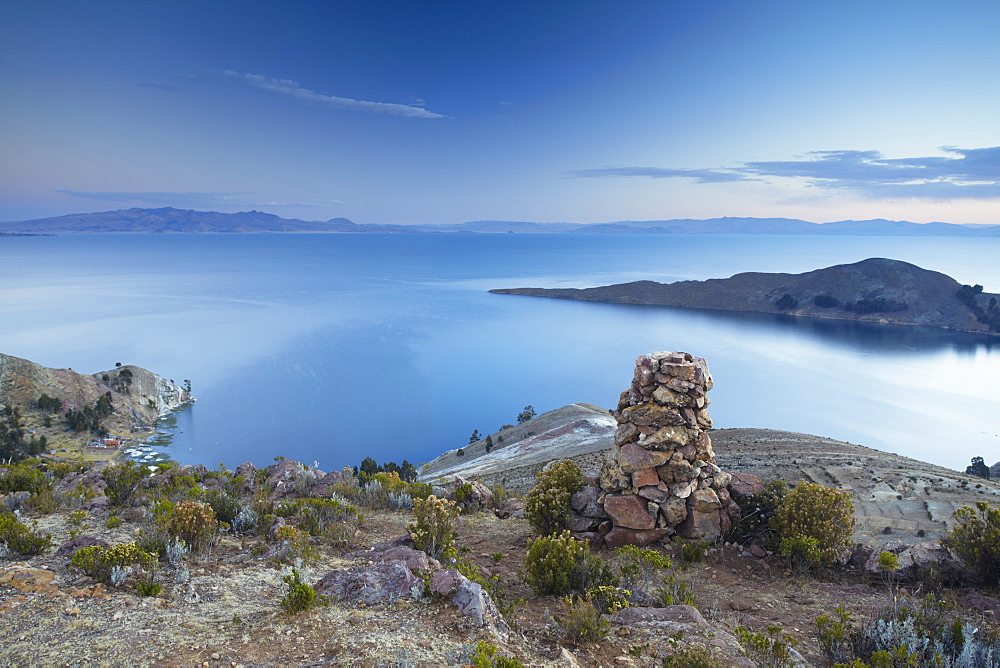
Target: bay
[{"x": 330, "y": 348}]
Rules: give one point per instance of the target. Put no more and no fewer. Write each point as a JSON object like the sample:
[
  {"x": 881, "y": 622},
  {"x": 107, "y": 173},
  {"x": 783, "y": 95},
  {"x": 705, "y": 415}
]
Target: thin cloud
[
  {"x": 962, "y": 174},
  {"x": 698, "y": 175},
  {"x": 187, "y": 200},
  {"x": 294, "y": 90}
]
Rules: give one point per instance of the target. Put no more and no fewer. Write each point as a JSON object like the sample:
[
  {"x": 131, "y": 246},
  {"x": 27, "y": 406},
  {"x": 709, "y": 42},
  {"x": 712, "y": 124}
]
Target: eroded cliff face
[{"x": 139, "y": 397}]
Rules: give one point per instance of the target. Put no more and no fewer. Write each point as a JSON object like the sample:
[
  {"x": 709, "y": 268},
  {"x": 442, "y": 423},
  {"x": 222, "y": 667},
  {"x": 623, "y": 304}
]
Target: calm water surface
[{"x": 333, "y": 348}]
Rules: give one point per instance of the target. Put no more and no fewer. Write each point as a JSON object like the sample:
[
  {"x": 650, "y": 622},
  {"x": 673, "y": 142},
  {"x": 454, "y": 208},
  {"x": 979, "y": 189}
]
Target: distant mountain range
[
  {"x": 179, "y": 221},
  {"x": 874, "y": 290}
]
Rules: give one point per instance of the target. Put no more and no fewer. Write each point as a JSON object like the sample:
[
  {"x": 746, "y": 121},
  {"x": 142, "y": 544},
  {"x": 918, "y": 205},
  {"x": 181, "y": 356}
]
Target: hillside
[
  {"x": 905, "y": 495},
  {"x": 138, "y": 398},
  {"x": 874, "y": 290}
]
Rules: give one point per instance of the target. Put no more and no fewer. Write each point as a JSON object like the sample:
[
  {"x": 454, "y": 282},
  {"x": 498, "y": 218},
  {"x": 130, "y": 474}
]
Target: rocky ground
[{"x": 223, "y": 608}]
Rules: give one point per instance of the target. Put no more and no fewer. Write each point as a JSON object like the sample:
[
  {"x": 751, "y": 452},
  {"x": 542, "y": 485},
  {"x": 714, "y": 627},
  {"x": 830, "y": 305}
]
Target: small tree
[
  {"x": 786, "y": 302},
  {"x": 475, "y": 437},
  {"x": 489, "y": 443},
  {"x": 978, "y": 468},
  {"x": 526, "y": 414}
]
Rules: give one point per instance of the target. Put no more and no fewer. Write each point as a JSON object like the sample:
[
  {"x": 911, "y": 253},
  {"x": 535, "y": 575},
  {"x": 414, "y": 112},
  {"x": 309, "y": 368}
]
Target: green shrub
[
  {"x": 19, "y": 538},
  {"x": 547, "y": 504},
  {"x": 122, "y": 482},
  {"x": 639, "y": 566},
  {"x": 21, "y": 478},
  {"x": 332, "y": 520},
  {"x": 148, "y": 588},
  {"x": 814, "y": 524},
  {"x": 675, "y": 591},
  {"x": 42, "y": 500},
  {"x": 195, "y": 524},
  {"x": 486, "y": 655},
  {"x": 434, "y": 528},
  {"x": 690, "y": 552},
  {"x": 296, "y": 545},
  {"x": 767, "y": 649},
  {"x": 561, "y": 565},
  {"x": 300, "y": 597},
  {"x": 114, "y": 563},
  {"x": 582, "y": 621},
  {"x": 976, "y": 539},
  {"x": 225, "y": 506}
]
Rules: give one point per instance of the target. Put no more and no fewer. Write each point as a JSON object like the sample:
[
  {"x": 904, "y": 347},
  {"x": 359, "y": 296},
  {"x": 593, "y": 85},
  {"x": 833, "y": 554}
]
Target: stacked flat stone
[{"x": 663, "y": 478}]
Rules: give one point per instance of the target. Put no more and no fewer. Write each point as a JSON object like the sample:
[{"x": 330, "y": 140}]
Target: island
[{"x": 873, "y": 290}]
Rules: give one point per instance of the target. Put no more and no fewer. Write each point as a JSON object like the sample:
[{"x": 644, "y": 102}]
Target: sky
[{"x": 545, "y": 110}]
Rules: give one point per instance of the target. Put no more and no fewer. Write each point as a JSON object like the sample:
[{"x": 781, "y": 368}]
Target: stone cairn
[{"x": 663, "y": 479}]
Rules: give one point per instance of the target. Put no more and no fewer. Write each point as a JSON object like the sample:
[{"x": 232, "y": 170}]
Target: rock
[
  {"x": 585, "y": 503},
  {"x": 415, "y": 560},
  {"x": 915, "y": 560},
  {"x": 480, "y": 498},
  {"x": 645, "y": 477},
  {"x": 567, "y": 659},
  {"x": 654, "y": 494},
  {"x": 619, "y": 536},
  {"x": 512, "y": 507},
  {"x": 980, "y": 602},
  {"x": 613, "y": 479},
  {"x": 669, "y": 438},
  {"x": 632, "y": 457},
  {"x": 745, "y": 484},
  {"x": 97, "y": 503},
  {"x": 629, "y": 511},
  {"x": 470, "y": 598},
  {"x": 758, "y": 551},
  {"x": 70, "y": 547},
  {"x": 689, "y": 623},
  {"x": 651, "y": 414},
  {"x": 378, "y": 583}
]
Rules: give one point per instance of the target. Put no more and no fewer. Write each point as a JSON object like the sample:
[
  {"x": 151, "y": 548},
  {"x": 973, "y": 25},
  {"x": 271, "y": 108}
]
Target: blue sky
[{"x": 444, "y": 112}]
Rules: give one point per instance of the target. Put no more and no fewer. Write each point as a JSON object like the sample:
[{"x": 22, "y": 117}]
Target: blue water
[{"x": 333, "y": 348}]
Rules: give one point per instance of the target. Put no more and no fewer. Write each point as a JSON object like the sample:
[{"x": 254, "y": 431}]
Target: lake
[{"x": 331, "y": 348}]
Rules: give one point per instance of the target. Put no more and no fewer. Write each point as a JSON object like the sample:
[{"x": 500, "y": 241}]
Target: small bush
[
  {"x": 148, "y": 588},
  {"x": 225, "y": 506},
  {"x": 547, "y": 504},
  {"x": 767, "y": 649},
  {"x": 295, "y": 545},
  {"x": 21, "y": 478},
  {"x": 434, "y": 528},
  {"x": 675, "y": 591},
  {"x": 690, "y": 552},
  {"x": 814, "y": 524},
  {"x": 122, "y": 482},
  {"x": 976, "y": 539},
  {"x": 639, "y": 567},
  {"x": 300, "y": 596},
  {"x": 105, "y": 564},
  {"x": 582, "y": 620},
  {"x": 42, "y": 501},
  {"x": 17, "y": 537},
  {"x": 561, "y": 565},
  {"x": 195, "y": 524},
  {"x": 333, "y": 520},
  {"x": 486, "y": 655}
]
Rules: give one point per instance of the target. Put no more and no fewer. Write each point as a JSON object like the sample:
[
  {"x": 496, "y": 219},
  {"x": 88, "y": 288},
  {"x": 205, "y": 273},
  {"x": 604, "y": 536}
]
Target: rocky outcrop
[
  {"x": 663, "y": 478},
  {"x": 876, "y": 290},
  {"x": 139, "y": 397}
]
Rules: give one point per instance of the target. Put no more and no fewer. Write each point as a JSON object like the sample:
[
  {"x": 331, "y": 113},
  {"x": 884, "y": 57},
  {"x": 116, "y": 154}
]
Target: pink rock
[
  {"x": 629, "y": 511},
  {"x": 632, "y": 457},
  {"x": 645, "y": 477},
  {"x": 746, "y": 484},
  {"x": 619, "y": 536}
]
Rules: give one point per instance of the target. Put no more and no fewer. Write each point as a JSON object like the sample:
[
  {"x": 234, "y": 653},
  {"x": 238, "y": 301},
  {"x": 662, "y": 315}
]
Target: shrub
[
  {"x": 547, "y": 504},
  {"x": 826, "y": 301},
  {"x": 333, "y": 520},
  {"x": 296, "y": 545},
  {"x": 814, "y": 524},
  {"x": 582, "y": 620},
  {"x": 195, "y": 524},
  {"x": 486, "y": 656},
  {"x": 639, "y": 567},
  {"x": 561, "y": 565},
  {"x": 976, "y": 539},
  {"x": 434, "y": 528},
  {"x": 675, "y": 591},
  {"x": 21, "y": 478},
  {"x": 689, "y": 551},
  {"x": 300, "y": 596},
  {"x": 225, "y": 506},
  {"x": 42, "y": 501},
  {"x": 772, "y": 648},
  {"x": 148, "y": 588},
  {"x": 111, "y": 564},
  {"x": 17, "y": 537},
  {"x": 122, "y": 482}
]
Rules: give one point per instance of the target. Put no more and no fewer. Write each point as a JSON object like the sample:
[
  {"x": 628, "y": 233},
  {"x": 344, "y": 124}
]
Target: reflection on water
[{"x": 333, "y": 348}]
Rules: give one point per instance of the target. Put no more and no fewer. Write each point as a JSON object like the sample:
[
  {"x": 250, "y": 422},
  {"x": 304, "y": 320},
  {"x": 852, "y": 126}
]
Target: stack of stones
[{"x": 663, "y": 478}]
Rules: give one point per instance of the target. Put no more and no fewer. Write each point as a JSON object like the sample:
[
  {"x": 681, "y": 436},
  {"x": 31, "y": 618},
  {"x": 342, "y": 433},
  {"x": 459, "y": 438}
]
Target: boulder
[
  {"x": 70, "y": 547},
  {"x": 745, "y": 484},
  {"x": 470, "y": 598},
  {"x": 632, "y": 458},
  {"x": 377, "y": 583},
  {"x": 917, "y": 560},
  {"x": 619, "y": 536}
]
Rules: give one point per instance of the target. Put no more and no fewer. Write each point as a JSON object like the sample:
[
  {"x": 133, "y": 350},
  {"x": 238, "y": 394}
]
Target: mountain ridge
[{"x": 168, "y": 220}]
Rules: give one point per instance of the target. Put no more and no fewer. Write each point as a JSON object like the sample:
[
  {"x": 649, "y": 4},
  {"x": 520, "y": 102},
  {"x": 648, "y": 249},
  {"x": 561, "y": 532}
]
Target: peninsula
[{"x": 872, "y": 290}]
